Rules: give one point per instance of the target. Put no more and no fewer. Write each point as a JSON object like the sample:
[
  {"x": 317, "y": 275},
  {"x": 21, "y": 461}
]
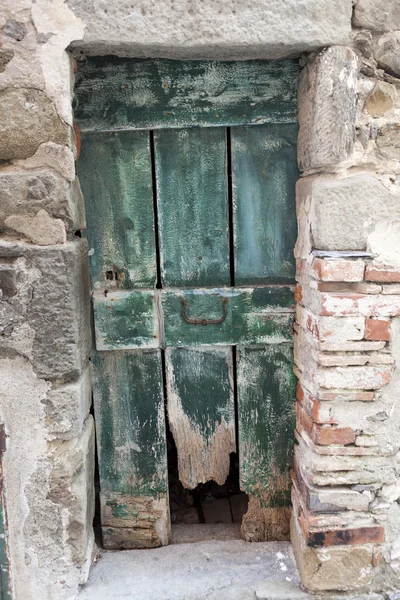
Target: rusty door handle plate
[{"x": 202, "y": 321}]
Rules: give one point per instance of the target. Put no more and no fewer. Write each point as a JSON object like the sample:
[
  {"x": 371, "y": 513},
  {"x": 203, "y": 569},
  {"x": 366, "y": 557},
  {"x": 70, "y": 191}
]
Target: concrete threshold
[{"x": 201, "y": 569}]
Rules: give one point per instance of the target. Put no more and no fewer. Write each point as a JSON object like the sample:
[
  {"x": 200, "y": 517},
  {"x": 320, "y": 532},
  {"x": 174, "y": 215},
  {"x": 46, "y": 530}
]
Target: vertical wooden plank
[
  {"x": 264, "y": 173},
  {"x": 192, "y": 206},
  {"x": 130, "y": 421},
  {"x": 115, "y": 175},
  {"x": 266, "y": 393},
  {"x": 201, "y": 412}
]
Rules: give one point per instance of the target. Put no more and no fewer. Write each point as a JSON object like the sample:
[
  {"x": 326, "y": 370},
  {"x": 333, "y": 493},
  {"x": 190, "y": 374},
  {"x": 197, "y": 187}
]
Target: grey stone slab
[
  {"x": 211, "y": 29},
  {"x": 212, "y": 570},
  {"x": 282, "y": 590}
]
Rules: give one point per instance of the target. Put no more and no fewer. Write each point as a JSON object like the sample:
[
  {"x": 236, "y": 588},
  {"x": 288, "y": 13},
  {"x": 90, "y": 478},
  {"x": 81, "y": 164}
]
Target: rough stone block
[
  {"x": 388, "y": 141},
  {"x": 341, "y": 213},
  {"x": 25, "y": 193},
  {"x": 47, "y": 320},
  {"x": 27, "y": 119},
  {"x": 333, "y": 568},
  {"x": 381, "y": 100},
  {"x": 210, "y": 29},
  {"x": 387, "y": 52},
  {"x": 327, "y": 95},
  {"x": 377, "y": 15},
  {"x": 67, "y": 407}
]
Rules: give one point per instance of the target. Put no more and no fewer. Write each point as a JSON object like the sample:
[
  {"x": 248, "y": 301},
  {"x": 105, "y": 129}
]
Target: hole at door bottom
[{"x": 209, "y": 503}]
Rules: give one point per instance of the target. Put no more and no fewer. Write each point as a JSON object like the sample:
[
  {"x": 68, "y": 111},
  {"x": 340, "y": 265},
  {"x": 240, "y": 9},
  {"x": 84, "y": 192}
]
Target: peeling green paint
[
  {"x": 201, "y": 412},
  {"x": 254, "y": 316},
  {"x": 192, "y": 200},
  {"x": 126, "y": 320},
  {"x": 189, "y": 104},
  {"x": 129, "y": 408},
  {"x": 266, "y": 398},
  {"x": 264, "y": 174},
  {"x": 121, "y": 93},
  {"x": 115, "y": 175}
]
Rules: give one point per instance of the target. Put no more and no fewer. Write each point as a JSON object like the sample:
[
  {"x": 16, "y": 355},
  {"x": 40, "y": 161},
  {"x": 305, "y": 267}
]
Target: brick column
[{"x": 345, "y": 530}]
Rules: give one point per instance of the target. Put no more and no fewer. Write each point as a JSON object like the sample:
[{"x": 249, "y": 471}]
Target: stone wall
[
  {"x": 346, "y": 530},
  {"x": 45, "y": 387}
]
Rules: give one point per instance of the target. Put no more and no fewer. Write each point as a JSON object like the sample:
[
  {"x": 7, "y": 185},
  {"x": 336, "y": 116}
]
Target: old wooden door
[{"x": 188, "y": 171}]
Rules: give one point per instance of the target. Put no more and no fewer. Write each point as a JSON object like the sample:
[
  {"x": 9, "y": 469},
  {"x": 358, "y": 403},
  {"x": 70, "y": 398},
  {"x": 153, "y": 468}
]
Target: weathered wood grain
[
  {"x": 261, "y": 315},
  {"x": 130, "y": 422},
  {"x": 201, "y": 412},
  {"x": 266, "y": 393},
  {"x": 126, "y": 320},
  {"x": 115, "y": 175},
  {"x": 121, "y": 93},
  {"x": 264, "y": 174},
  {"x": 192, "y": 201}
]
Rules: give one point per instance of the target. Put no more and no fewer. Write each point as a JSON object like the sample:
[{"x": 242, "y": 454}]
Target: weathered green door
[{"x": 188, "y": 171}]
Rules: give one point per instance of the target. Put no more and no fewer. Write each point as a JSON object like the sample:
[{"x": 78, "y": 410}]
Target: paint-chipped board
[
  {"x": 264, "y": 174},
  {"x": 262, "y": 315},
  {"x": 122, "y": 93},
  {"x": 130, "y": 423},
  {"x": 201, "y": 412},
  {"x": 192, "y": 199},
  {"x": 116, "y": 178},
  {"x": 126, "y": 320},
  {"x": 266, "y": 389}
]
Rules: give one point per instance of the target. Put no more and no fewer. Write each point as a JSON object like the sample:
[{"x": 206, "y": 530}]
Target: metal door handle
[{"x": 200, "y": 321}]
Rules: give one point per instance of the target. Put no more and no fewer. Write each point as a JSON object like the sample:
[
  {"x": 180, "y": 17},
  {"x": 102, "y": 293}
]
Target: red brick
[
  {"x": 349, "y": 288},
  {"x": 298, "y": 293},
  {"x": 324, "y": 436},
  {"x": 299, "y": 392},
  {"x": 338, "y": 270},
  {"x": 376, "y": 329},
  {"x": 382, "y": 273},
  {"x": 327, "y": 436},
  {"x": 350, "y": 395},
  {"x": 304, "y": 421},
  {"x": 322, "y": 537},
  {"x": 346, "y": 537},
  {"x": 360, "y": 304}
]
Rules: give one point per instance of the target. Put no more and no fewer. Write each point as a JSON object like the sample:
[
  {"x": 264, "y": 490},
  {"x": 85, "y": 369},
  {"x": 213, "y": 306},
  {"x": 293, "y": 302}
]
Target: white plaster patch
[
  {"x": 385, "y": 242},
  {"x": 53, "y": 18}
]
